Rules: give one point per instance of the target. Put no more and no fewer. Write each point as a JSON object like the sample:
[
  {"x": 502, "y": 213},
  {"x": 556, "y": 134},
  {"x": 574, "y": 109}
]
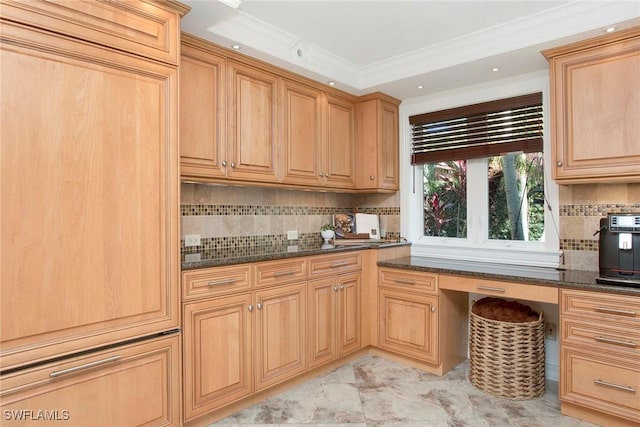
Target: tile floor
[{"x": 372, "y": 391}]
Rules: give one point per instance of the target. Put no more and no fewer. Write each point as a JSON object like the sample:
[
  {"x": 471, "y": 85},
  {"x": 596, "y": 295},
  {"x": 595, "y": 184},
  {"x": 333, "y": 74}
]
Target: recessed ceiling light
[
  {"x": 419, "y": 86},
  {"x": 610, "y": 29},
  {"x": 331, "y": 83},
  {"x": 494, "y": 69},
  {"x": 236, "y": 46}
]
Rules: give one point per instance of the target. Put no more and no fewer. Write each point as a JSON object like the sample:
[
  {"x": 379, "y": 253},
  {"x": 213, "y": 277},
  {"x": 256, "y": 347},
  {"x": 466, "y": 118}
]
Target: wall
[
  {"x": 234, "y": 217},
  {"x": 581, "y": 207}
]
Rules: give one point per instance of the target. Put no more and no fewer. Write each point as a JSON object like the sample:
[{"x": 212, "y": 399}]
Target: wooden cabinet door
[
  {"x": 89, "y": 198},
  {"x": 302, "y": 134},
  {"x": 218, "y": 366},
  {"x": 408, "y": 324},
  {"x": 596, "y": 110},
  {"x": 348, "y": 336},
  {"x": 202, "y": 113},
  {"x": 322, "y": 313},
  {"x": 133, "y": 385},
  {"x": 280, "y": 319},
  {"x": 253, "y": 124},
  {"x": 377, "y": 145},
  {"x": 339, "y": 143}
]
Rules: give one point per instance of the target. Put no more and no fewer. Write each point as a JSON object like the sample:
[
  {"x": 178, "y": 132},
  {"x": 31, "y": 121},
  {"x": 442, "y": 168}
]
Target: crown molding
[{"x": 542, "y": 28}]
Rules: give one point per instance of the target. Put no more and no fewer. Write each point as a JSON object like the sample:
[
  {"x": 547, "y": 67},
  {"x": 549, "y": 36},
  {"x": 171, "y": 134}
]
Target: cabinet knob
[
  {"x": 321, "y": 174},
  {"x": 335, "y": 288},
  {"x": 371, "y": 177},
  {"x": 327, "y": 175},
  {"x": 233, "y": 165},
  {"x": 259, "y": 306},
  {"x": 250, "y": 308},
  {"x": 224, "y": 163},
  {"x": 341, "y": 287},
  {"x": 559, "y": 163},
  {"x": 433, "y": 309}
]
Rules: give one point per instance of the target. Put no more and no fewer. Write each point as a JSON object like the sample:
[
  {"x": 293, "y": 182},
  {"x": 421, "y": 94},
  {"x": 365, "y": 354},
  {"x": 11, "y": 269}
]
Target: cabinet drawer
[
  {"x": 334, "y": 264},
  {"x": 409, "y": 280},
  {"x": 603, "y": 383},
  {"x": 548, "y": 294},
  {"x": 208, "y": 282},
  {"x": 608, "y": 308},
  {"x": 606, "y": 337},
  {"x": 139, "y": 27},
  {"x": 277, "y": 272},
  {"x": 137, "y": 384}
]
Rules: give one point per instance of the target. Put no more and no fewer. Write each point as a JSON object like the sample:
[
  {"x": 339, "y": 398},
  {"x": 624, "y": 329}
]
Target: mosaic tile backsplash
[
  {"x": 581, "y": 207},
  {"x": 228, "y": 217}
]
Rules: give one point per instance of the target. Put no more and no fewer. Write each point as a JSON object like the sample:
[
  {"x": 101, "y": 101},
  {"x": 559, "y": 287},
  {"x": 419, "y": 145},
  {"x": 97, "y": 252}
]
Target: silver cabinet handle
[
  {"x": 342, "y": 287},
  {"x": 224, "y": 163},
  {"x": 405, "y": 281},
  {"x": 339, "y": 264},
  {"x": 490, "y": 288},
  {"x": 111, "y": 359},
  {"x": 335, "y": 288},
  {"x": 607, "y": 340},
  {"x": 259, "y": 306},
  {"x": 250, "y": 307},
  {"x": 616, "y": 386},
  {"x": 284, "y": 273},
  {"x": 621, "y": 312},
  {"x": 221, "y": 282},
  {"x": 559, "y": 163},
  {"x": 371, "y": 177},
  {"x": 233, "y": 165}
]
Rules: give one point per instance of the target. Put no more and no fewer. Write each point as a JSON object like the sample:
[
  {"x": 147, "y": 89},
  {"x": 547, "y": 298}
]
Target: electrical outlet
[
  {"x": 192, "y": 240},
  {"x": 292, "y": 235},
  {"x": 192, "y": 257},
  {"x": 550, "y": 331}
]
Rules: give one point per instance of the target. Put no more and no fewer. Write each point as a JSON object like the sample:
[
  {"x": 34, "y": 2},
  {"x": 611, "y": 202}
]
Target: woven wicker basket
[{"x": 507, "y": 359}]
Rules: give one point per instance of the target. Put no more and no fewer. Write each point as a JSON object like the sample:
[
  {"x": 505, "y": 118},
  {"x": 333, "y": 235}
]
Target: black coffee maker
[{"x": 619, "y": 247}]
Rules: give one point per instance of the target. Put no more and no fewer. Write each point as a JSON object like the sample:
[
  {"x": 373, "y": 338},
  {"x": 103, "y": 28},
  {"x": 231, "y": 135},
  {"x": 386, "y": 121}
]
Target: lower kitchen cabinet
[
  {"x": 132, "y": 385},
  {"x": 218, "y": 366},
  {"x": 408, "y": 324},
  {"x": 334, "y": 317},
  {"x": 280, "y": 334}
]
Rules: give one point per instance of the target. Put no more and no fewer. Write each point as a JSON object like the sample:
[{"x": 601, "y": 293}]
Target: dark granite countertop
[
  {"x": 574, "y": 279},
  {"x": 220, "y": 257}
]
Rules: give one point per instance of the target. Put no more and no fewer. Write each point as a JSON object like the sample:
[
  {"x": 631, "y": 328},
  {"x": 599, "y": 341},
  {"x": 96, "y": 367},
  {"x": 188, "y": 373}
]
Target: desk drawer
[
  {"x": 607, "y": 308},
  {"x": 409, "y": 280},
  {"x": 512, "y": 290},
  {"x": 334, "y": 264},
  {"x": 277, "y": 272},
  {"x": 581, "y": 333},
  {"x": 214, "y": 281},
  {"x": 603, "y": 383}
]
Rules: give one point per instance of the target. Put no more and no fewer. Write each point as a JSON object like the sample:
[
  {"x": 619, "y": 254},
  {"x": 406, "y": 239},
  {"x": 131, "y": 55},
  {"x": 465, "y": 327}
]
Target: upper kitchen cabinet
[
  {"x": 203, "y": 144},
  {"x": 253, "y": 124},
  {"x": 377, "y": 143},
  {"x": 89, "y": 198},
  {"x": 595, "y": 109},
  {"x": 339, "y": 153},
  {"x": 302, "y": 153}
]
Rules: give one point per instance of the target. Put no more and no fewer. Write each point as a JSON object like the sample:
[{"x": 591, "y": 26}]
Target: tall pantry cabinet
[{"x": 89, "y": 266}]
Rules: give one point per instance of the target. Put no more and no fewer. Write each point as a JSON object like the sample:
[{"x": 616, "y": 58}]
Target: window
[{"x": 480, "y": 189}]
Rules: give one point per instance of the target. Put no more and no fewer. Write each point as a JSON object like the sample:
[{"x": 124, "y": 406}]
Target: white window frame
[{"x": 477, "y": 246}]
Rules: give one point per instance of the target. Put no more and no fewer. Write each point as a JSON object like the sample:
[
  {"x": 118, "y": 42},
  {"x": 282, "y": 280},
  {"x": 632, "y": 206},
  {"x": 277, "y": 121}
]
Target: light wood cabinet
[
  {"x": 302, "y": 148},
  {"x": 595, "y": 109},
  {"x": 218, "y": 361},
  {"x": 377, "y": 147},
  {"x": 600, "y": 372},
  {"x": 280, "y": 319},
  {"x": 203, "y": 104},
  {"x": 89, "y": 199},
  {"x": 253, "y": 124},
  {"x": 339, "y": 169},
  {"x": 133, "y": 385},
  {"x": 334, "y": 311}
]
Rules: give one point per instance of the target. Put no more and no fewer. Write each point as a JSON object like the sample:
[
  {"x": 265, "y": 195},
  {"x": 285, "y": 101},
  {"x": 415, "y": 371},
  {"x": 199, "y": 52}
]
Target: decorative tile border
[
  {"x": 598, "y": 210},
  {"x": 579, "y": 245},
  {"x": 206, "y": 210}
]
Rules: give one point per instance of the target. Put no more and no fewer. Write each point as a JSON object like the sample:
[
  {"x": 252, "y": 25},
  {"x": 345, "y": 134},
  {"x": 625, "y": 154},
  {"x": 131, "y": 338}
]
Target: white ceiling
[{"x": 394, "y": 46}]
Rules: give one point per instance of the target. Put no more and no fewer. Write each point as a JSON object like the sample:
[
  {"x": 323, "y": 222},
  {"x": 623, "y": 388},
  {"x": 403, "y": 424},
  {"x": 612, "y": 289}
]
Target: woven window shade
[{"x": 479, "y": 130}]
